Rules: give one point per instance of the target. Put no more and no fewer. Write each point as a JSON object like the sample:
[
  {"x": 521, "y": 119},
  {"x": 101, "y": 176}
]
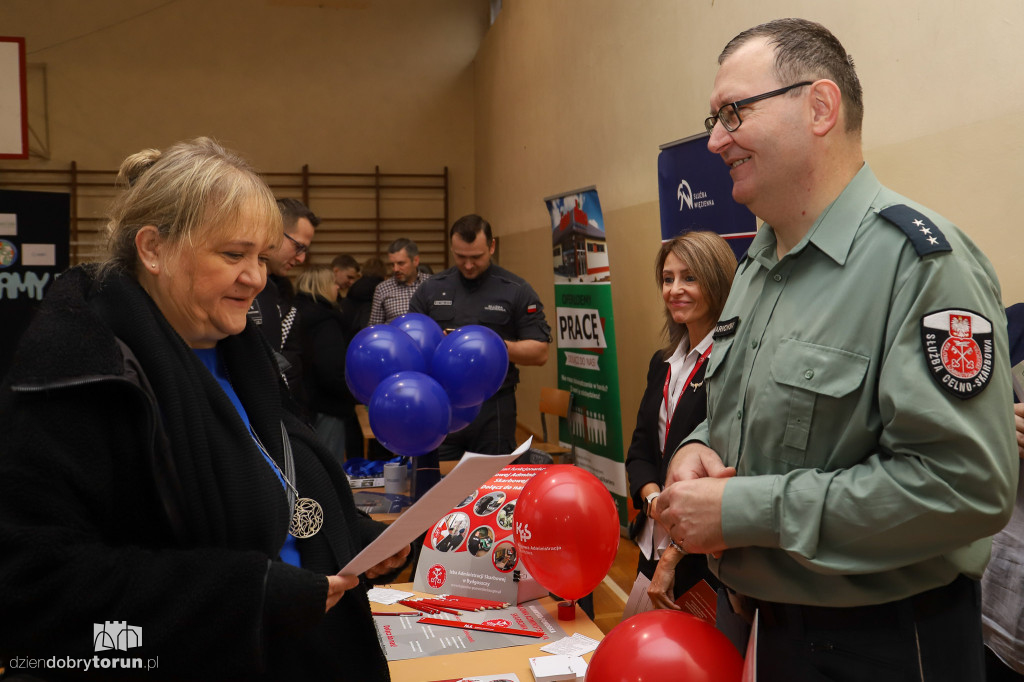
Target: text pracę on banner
[{"x": 580, "y": 328}]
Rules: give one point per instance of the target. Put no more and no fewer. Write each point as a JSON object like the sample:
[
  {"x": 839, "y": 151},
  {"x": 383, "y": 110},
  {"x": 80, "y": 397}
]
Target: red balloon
[
  {"x": 566, "y": 530},
  {"x": 663, "y": 646}
]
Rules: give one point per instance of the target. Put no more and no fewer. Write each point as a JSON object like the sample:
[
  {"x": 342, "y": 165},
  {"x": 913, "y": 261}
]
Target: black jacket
[
  {"x": 644, "y": 461},
  {"x": 324, "y": 343},
  {"x": 272, "y": 312},
  {"x": 131, "y": 491},
  {"x": 360, "y": 302}
]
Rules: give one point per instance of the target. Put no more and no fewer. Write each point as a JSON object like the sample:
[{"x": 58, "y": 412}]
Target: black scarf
[{"x": 230, "y": 497}]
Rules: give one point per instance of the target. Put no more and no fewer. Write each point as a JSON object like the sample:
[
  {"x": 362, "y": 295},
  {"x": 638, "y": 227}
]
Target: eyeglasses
[
  {"x": 729, "y": 114},
  {"x": 300, "y": 248}
]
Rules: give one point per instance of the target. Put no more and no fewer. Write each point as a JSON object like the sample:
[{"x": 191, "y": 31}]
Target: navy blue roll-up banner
[{"x": 695, "y": 193}]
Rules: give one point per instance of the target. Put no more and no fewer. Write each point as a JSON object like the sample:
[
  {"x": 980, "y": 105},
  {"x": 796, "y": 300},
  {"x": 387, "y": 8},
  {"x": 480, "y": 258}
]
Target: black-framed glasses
[
  {"x": 729, "y": 114},
  {"x": 300, "y": 248}
]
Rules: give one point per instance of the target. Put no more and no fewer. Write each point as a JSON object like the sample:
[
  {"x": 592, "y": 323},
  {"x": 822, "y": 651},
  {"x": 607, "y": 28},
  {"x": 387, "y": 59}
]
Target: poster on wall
[
  {"x": 585, "y": 337},
  {"x": 695, "y": 193},
  {"x": 34, "y": 250}
]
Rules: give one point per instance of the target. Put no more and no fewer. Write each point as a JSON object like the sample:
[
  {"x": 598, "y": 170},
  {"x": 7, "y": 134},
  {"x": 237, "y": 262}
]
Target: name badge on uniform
[
  {"x": 726, "y": 328},
  {"x": 959, "y": 348}
]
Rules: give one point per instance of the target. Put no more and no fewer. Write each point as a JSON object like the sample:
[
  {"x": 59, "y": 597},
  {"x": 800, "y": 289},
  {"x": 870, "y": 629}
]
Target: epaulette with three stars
[{"x": 922, "y": 232}]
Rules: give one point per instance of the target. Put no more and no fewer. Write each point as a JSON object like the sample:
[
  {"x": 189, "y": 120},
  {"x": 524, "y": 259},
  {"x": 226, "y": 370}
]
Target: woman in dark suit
[{"x": 694, "y": 271}]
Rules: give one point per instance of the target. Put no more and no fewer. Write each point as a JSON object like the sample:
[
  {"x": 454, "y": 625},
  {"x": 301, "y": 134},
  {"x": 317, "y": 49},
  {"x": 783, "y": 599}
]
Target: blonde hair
[
  {"x": 711, "y": 262},
  {"x": 317, "y": 281},
  {"x": 191, "y": 192}
]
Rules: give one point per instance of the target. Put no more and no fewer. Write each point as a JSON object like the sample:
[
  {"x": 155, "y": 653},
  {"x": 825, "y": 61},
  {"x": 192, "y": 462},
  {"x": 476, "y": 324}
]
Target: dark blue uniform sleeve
[{"x": 529, "y": 316}]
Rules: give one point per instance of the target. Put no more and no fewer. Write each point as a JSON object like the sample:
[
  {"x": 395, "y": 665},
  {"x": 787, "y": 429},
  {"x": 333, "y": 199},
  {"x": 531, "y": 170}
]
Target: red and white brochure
[
  {"x": 471, "y": 471},
  {"x": 701, "y": 600},
  {"x": 470, "y": 551}
]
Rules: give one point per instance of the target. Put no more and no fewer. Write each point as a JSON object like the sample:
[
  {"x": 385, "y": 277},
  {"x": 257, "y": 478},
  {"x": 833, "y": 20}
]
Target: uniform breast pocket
[
  {"x": 816, "y": 380},
  {"x": 444, "y": 315},
  {"x": 719, "y": 353},
  {"x": 495, "y": 316}
]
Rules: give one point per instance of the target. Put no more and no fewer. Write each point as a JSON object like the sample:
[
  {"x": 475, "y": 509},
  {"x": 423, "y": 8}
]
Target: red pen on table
[
  {"x": 414, "y": 605},
  {"x": 474, "y": 604},
  {"x": 436, "y": 604},
  {"x": 479, "y": 626},
  {"x": 460, "y": 604}
]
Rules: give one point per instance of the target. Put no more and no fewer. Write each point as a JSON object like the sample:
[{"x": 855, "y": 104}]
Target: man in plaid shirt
[{"x": 391, "y": 298}]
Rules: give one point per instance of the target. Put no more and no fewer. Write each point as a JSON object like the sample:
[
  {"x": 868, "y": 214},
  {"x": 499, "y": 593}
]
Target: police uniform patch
[
  {"x": 922, "y": 232},
  {"x": 959, "y": 349}
]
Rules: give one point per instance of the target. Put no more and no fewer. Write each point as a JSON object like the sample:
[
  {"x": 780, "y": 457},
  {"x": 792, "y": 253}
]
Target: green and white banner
[{"x": 585, "y": 337}]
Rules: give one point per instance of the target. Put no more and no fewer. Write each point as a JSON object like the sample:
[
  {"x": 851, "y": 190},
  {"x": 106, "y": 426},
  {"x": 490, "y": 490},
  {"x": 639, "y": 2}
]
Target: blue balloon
[
  {"x": 409, "y": 413},
  {"x": 463, "y": 417},
  {"x": 378, "y": 352},
  {"x": 470, "y": 363},
  {"x": 423, "y": 330}
]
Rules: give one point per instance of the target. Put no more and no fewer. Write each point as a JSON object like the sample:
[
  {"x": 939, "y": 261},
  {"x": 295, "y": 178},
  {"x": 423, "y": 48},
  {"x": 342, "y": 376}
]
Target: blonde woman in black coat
[
  {"x": 324, "y": 341},
  {"x": 149, "y": 476}
]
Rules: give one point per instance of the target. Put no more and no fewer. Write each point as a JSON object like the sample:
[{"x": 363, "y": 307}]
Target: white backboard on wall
[{"x": 13, "y": 107}]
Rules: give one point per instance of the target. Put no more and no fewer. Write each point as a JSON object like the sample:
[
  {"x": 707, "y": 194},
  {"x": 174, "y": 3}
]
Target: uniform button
[
  {"x": 809, "y": 374},
  {"x": 753, "y": 344},
  {"x": 739, "y": 414},
  {"x": 777, "y": 278}
]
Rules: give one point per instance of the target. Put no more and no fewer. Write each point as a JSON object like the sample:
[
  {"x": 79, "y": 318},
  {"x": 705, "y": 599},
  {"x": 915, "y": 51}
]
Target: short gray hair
[{"x": 807, "y": 50}]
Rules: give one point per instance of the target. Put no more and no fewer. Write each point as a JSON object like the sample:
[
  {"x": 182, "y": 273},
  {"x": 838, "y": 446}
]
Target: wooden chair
[
  {"x": 364, "y": 425},
  {"x": 558, "y": 403}
]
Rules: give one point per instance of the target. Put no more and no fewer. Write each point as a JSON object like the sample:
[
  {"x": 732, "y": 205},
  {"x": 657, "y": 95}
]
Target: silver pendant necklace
[
  {"x": 308, "y": 518},
  {"x": 307, "y": 514}
]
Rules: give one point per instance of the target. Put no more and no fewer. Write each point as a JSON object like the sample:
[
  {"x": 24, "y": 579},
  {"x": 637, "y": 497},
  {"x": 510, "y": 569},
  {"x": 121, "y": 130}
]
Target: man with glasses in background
[
  {"x": 859, "y": 449},
  {"x": 272, "y": 309}
]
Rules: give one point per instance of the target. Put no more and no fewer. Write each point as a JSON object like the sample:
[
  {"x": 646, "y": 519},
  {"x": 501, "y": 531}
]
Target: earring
[{"x": 153, "y": 265}]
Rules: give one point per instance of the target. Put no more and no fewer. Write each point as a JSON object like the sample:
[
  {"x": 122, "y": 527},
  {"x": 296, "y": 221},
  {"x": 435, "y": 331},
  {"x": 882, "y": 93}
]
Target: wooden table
[{"x": 514, "y": 659}]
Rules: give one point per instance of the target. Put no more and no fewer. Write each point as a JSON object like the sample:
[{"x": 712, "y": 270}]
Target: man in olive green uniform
[{"x": 859, "y": 448}]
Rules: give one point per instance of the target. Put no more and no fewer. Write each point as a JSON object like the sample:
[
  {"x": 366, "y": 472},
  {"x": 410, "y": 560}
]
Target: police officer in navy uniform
[{"x": 476, "y": 291}]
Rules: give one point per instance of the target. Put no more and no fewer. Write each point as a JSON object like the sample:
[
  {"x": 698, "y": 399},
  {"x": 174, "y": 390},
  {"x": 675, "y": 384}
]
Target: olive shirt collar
[{"x": 833, "y": 237}]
